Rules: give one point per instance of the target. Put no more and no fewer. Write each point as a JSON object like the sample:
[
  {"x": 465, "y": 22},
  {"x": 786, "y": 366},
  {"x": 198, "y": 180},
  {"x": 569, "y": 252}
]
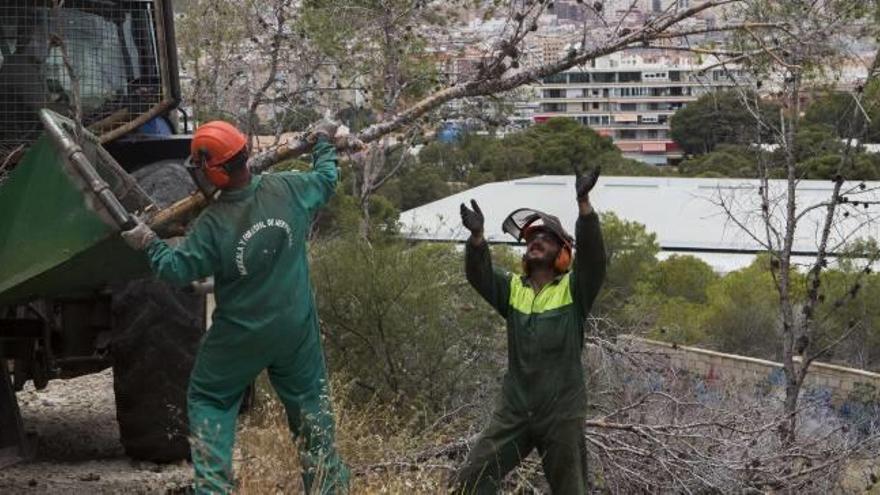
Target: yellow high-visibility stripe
[{"x": 552, "y": 296}]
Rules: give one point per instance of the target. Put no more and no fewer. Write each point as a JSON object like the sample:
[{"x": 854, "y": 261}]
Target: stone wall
[{"x": 839, "y": 382}]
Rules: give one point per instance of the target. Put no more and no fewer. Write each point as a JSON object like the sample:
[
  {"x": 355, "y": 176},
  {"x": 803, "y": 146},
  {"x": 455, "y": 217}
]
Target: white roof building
[{"x": 686, "y": 214}]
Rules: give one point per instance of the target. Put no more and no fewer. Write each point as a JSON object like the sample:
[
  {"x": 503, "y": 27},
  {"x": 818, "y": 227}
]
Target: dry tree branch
[
  {"x": 731, "y": 216},
  {"x": 482, "y": 87},
  {"x": 746, "y": 26},
  {"x": 375, "y": 182},
  {"x": 771, "y": 52},
  {"x": 274, "y": 58}
]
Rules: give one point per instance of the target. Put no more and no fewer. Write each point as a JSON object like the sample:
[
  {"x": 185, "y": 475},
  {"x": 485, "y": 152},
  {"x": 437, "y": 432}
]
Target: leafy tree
[
  {"x": 717, "y": 118},
  {"x": 685, "y": 277},
  {"x": 742, "y": 312},
  {"x": 824, "y": 157},
  {"x": 837, "y": 111},
  {"x": 561, "y": 145},
  {"x": 555, "y": 147},
  {"x": 857, "y": 316},
  {"x": 680, "y": 321},
  {"x": 816, "y": 140},
  {"x": 845, "y": 113},
  {"x": 449, "y": 158},
  {"x": 632, "y": 254},
  {"x": 669, "y": 303},
  {"x": 344, "y": 215},
  {"x": 865, "y": 166},
  {"x": 507, "y": 163},
  {"x": 849, "y": 314},
  {"x": 415, "y": 186},
  {"x": 618, "y": 165},
  {"x": 724, "y": 161}
]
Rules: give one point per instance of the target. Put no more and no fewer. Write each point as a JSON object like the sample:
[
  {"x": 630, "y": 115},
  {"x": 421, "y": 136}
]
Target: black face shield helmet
[{"x": 519, "y": 220}]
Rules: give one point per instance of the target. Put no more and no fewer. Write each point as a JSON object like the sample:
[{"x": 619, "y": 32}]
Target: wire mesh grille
[{"x": 105, "y": 54}]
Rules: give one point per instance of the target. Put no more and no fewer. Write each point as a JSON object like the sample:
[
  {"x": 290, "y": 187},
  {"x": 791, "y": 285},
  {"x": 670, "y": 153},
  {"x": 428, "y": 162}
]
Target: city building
[{"x": 630, "y": 97}]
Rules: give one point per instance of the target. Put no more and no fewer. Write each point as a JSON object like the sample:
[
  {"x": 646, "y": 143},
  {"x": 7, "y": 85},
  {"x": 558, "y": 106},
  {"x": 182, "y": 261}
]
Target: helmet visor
[{"x": 520, "y": 220}]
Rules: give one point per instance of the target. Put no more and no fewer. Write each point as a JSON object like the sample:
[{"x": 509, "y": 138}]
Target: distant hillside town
[{"x": 628, "y": 96}]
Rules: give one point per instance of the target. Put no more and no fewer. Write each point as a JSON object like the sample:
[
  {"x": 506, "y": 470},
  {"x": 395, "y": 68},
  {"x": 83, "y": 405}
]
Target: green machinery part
[{"x": 61, "y": 210}]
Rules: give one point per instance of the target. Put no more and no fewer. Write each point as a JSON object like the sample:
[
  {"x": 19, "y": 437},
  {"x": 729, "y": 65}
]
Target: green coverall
[
  {"x": 253, "y": 241},
  {"x": 543, "y": 400}
]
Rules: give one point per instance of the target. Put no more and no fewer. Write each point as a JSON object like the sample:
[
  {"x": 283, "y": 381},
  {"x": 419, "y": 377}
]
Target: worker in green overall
[
  {"x": 544, "y": 398},
  {"x": 252, "y": 239}
]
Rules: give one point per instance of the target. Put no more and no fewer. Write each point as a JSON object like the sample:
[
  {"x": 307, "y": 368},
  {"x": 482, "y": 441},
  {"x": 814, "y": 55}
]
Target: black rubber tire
[{"x": 157, "y": 329}]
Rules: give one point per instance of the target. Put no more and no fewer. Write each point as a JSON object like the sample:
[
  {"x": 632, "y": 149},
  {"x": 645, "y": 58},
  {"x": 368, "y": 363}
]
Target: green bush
[
  {"x": 680, "y": 321},
  {"x": 742, "y": 312},
  {"x": 404, "y": 321},
  {"x": 632, "y": 254},
  {"x": 683, "y": 276},
  {"x": 670, "y": 302}
]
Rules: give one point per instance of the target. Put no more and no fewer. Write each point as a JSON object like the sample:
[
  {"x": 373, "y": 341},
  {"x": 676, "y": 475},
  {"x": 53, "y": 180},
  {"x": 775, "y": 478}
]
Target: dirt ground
[{"x": 78, "y": 449}]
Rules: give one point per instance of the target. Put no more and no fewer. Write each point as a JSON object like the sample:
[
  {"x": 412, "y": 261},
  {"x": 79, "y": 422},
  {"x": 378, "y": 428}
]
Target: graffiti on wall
[{"x": 849, "y": 393}]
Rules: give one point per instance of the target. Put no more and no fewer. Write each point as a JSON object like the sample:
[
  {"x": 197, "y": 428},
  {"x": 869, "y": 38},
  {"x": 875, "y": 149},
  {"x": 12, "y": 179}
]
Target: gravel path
[{"x": 78, "y": 449}]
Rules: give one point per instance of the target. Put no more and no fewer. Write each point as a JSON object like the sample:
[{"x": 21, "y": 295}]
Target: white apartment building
[{"x": 630, "y": 97}]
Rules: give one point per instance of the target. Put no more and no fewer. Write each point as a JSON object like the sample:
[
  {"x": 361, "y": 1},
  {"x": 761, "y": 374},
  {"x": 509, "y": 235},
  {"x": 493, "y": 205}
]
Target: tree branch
[{"x": 482, "y": 87}]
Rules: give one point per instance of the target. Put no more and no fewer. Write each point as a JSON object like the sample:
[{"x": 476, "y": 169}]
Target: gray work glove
[
  {"x": 139, "y": 237},
  {"x": 324, "y": 127}
]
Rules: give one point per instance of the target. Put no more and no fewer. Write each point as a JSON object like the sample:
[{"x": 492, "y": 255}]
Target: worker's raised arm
[
  {"x": 194, "y": 258},
  {"x": 313, "y": 189},
  {"x": 588, "y": 271},
  {"x": 492, "y": 283}
]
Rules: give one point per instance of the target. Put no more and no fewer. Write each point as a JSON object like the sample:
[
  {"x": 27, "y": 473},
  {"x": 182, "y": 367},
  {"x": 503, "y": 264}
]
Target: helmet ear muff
[
  {"x": 563, "y": 259},
  {"x": 216, "y": 174}
]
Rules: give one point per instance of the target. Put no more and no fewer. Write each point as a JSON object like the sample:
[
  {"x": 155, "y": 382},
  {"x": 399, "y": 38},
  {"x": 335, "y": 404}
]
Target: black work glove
[
  {"x": 584, "y": 183},
  {"x": 472, "y": 219}
]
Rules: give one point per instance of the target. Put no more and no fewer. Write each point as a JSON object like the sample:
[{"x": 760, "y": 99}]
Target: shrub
[{"x": 403, "y": 320}]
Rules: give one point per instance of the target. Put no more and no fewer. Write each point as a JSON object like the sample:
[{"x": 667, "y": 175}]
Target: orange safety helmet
[{"x": 213, "y": 145}]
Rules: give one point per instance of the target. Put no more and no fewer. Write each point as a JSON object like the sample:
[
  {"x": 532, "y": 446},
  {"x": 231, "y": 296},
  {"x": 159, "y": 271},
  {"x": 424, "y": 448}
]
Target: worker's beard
[
  {"x": 545, "y": 261},
  {"x": 540, "y": 255}
]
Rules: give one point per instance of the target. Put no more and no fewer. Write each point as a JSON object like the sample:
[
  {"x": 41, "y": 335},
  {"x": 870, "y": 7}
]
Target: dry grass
[
  {"x": 381, "y": 452},
  {"x": 687, "y": 437}
]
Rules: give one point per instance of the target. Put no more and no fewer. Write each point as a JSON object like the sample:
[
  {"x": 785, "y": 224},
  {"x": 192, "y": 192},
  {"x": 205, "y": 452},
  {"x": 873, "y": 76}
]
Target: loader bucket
[{"x": 61, "y": 210}]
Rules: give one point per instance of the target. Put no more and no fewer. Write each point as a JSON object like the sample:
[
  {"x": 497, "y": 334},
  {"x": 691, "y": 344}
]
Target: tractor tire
[{"x": 157, "y": 330}]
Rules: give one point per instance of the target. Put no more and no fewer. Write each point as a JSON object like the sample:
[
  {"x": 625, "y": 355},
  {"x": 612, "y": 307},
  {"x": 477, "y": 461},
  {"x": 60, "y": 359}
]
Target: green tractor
[{"x": 88, "y": 138}]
